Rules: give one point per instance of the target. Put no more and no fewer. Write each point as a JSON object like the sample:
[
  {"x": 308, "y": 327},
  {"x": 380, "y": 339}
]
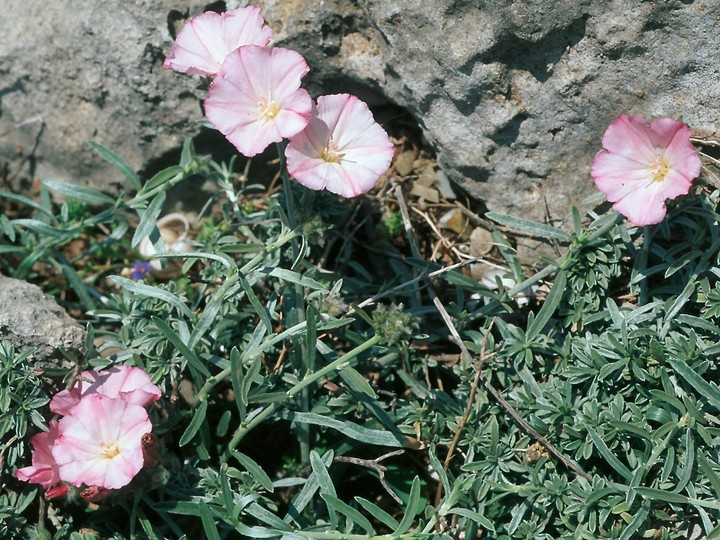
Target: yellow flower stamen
[
  {"x": 659, "y": 169},
  {"x": 331, "y": 154},
  {"x": 109, "y": 450},
  {"x": 269, "y": 110}
]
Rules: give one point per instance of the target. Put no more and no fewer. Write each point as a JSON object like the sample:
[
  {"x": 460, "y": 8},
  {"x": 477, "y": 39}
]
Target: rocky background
[{"x": 513, "y": 96}]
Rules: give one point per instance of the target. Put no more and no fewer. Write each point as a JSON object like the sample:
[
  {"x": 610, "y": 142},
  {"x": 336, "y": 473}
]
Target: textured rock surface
[
  {"x": 514, "y": 96},
  {"x": 92, "y": 70},
  {"x": 30, "y": 319}
]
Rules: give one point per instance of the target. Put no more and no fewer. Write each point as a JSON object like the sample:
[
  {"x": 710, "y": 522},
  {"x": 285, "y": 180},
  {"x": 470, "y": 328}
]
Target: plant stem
[{"x": 298, "y": 354}]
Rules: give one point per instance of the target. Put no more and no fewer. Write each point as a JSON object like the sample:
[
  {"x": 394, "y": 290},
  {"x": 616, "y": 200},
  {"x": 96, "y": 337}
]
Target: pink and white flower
[
  {"x": 641, "y": 165},
  {"x": 256, "y": 99},
  {"x": 44, "y": 470},
  {"x": 342, "y": 149},
  {"x": 205, "y": 40},
  {"x": 131, "y": 384},
  {"x": 100, "y": 442}
]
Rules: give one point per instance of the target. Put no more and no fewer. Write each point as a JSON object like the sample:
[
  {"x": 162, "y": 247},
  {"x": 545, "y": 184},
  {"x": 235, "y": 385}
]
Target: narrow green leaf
[
  {"x": 80, "y": 193},
  {"x": 40, "y": 227},
  {"x": 267, "y": 517},
  {"x": 326, "y": 484},
  {"x": 254, "y": 470},
  {"x": 237, "y": 379},
  {"x": 709, "y": 472},
  {"x": 148, "y": 219},
  {"x": 348, "y": 511},
  {"x": 411, "y": 508},
  {"x": 549, "y": 306},
  {"x": 293, "y": 277},
  {"x": 161, "y": 177},
  {"x": 188, "y": 152},
  {"x": 119, "y": 163},
  {"x": 611, "y": 459},
  {"x": 176, "y": 340},
  {"x": 707, "y": 390},
  {"x": 194, "y": 425},
  {"x": 481, "y": 520},
  {"x": 531, "y": 227},
  {"x": 661, "y": 495},
  {"x": 153, "y": 292},
  {"x": 208, "y": 522},
  {"x": 636, "y": 522},
  {"x": 78, "y": 286},
  {"x": 258, "y": 307},
  {"x": 357, "y": 382},
  {"x": 378, "y": 513},
  {"x": 306, "y": 494},
  {"x": 354, "y": 431},
  {"x": 26, "y": 202}
]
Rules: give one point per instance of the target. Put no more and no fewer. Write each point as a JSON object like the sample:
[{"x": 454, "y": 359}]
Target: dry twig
[{"x": 374, "y": 464}]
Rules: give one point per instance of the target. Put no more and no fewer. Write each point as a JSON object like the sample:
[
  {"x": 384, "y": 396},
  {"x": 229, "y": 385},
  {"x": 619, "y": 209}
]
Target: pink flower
[
  {"x": 641, "y": 165},
  {"x": 44, "y": 469},
  {"x": 131, "y": 384},
  {"x": 256, "y": 98},
  {"x": 342, "y": 149},
  {"x": 100, "y": 442},
  {"x": 205, "y": 41}
]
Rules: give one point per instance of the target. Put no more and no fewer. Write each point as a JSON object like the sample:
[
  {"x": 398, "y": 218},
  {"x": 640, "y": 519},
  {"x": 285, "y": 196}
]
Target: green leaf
[
  {"x": 348, "y": 511},
  {"x": 481, "y": 520},
  {"x": 80, "y": 193},
  {"x": 183, "y": 349},
  {"x": 188, "y": 152},
  {"x": 119, "y": 163},
  {"x": 378, "y": 513},
  {"x": 162, "y": 177},
  {"x": 254, "y": 470},
  {"x": 707, "y": 390},
  {"x": 208, "y": 522},
  {"x": 411, "y": 509},
  {"x": 354, "y": 431},
  {"x": 153, "y": 292},
  {"x": 531, "y": 227},
  {"x": 148, "y": 219},
  {"x": 611, "y": 459},
  {"x": 293, "y": 277},
  {"x": 326, "y": 484},
  {"x": 549, "y": 306},
  {"x": 26, "y": 202},
  {"x": 307, "y": 492},
  {"x": 258, "y": 307},
  {"x": 237, "y": 378},
  {"x": 195, "y": 423}
]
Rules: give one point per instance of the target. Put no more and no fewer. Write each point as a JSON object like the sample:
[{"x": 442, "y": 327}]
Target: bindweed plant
[{"x": 243, "y": 385}]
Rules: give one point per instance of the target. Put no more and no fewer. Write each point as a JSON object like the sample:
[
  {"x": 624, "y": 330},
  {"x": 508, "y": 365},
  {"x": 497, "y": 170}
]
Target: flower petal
[
  {"x": 44, "y": 469},
  {"x": 252, "y": 80},
  {"x": 100, "y": 442},
  {"x": 205, "y": 41},
  {"x": 342, "y": 127},
  {"x": 642, "y": 165},
  {"x": 127, "y": 382}
]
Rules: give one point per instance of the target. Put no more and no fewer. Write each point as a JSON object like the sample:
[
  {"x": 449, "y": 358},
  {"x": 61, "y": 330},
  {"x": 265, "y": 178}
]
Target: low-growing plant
[{"x": 302, "y": 383}]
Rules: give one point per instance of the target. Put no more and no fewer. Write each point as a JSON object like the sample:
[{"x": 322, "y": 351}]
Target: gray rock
[
  {"x": 30, "y": 319},
  {"x": 92, "y": 70},
  {"x": 513, "y": 95}
]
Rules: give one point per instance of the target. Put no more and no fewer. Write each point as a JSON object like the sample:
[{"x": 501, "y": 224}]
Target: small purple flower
[{"x": 140, "y": 269}]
